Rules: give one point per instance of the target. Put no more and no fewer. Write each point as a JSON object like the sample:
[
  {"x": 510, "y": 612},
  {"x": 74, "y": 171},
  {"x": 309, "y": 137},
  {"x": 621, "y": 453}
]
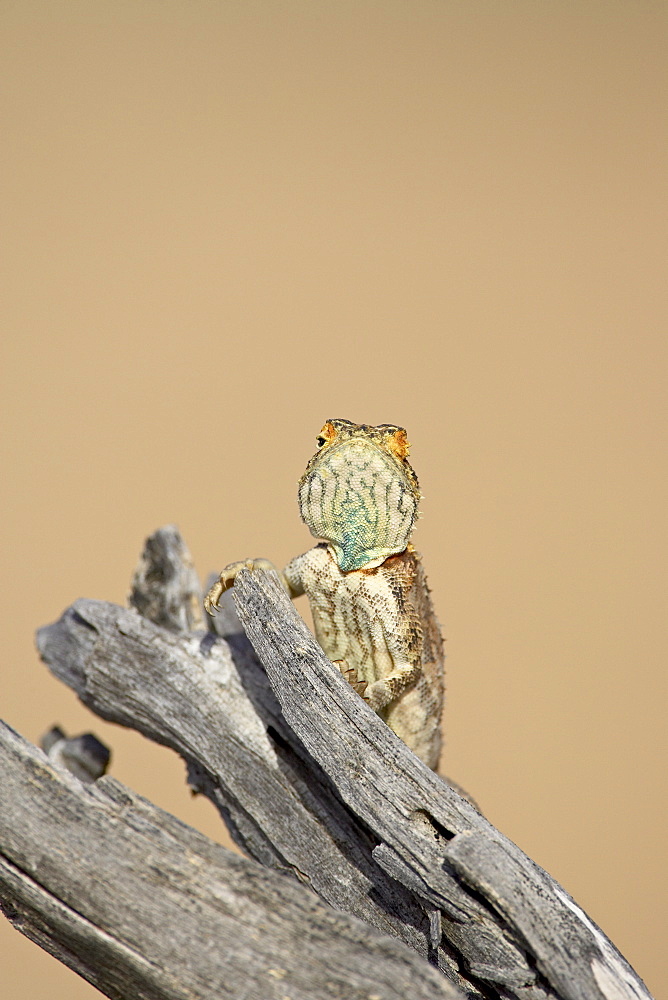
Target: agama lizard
[{"x": 372, "y": 612}]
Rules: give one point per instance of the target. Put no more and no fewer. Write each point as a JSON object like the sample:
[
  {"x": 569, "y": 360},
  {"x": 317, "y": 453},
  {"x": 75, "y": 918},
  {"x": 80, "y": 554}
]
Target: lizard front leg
[{"x": 229, "y": 575}]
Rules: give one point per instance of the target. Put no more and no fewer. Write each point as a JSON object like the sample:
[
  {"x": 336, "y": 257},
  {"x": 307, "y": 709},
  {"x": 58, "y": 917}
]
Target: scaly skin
[{"x": 369, "y": 598}]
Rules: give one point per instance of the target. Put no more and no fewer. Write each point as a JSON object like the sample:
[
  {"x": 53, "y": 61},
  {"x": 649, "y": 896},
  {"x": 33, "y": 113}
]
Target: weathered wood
[
  {"x": 85, "y": 756},
  {"x": 517, "y": 921},
  {"x": 332, "y": 796},
  {"x": 217, "y": 710},
  {"x": 142, "y": 905},
  {"x": 165, "y": 586}
]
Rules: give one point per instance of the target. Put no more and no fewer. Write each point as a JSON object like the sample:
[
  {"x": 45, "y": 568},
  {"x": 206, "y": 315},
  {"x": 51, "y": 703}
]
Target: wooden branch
[
  {"x": 165, "y": 587},
  {"x": 319, "y": 787},
  {"x": 142, "y": 905},
  {"x": 516, "y": 919},
  {"x": 84, "y": 756}
]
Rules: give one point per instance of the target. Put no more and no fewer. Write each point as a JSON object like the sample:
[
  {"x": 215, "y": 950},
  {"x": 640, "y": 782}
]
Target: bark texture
[{"x": 311, "y": 784}]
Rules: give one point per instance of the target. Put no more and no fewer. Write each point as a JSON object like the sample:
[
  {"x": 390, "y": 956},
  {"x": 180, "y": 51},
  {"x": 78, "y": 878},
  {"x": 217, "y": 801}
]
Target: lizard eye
[{"x": 326, "y": 435}]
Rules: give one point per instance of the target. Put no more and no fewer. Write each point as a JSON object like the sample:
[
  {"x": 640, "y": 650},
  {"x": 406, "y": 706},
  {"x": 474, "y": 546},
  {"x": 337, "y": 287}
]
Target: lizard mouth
[{"x": 358, "y": 499}]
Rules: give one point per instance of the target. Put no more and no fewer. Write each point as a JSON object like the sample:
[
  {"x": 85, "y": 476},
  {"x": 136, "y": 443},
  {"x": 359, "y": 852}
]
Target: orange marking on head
[
  {"x": 398, "y": 444},
  {"x": 327, "y": 434}
]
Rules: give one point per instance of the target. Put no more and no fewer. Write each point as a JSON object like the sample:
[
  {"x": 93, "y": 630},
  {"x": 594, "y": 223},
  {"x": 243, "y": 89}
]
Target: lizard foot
[
  {"x": 351, "y": 675},
  {"x": 379, "y": 695},
  {"x": 211, "y": 600},
  {"x": 227, "y": 578}
]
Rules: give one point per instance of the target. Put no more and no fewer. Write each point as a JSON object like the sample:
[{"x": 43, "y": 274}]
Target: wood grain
[{"x": 311, "y": 784}]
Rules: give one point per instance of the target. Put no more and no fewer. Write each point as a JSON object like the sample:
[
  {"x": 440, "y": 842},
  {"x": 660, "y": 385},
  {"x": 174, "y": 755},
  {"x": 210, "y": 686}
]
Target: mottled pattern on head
[{"x": 359, "y": 493}]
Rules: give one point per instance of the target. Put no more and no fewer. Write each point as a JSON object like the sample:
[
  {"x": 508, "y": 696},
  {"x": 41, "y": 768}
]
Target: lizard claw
[
  {"x": 227, "y": 578},
  {"x": 360, "y": 687},
  {"x": 351, "y": 675},
  {"x": 211, "y": 600}
]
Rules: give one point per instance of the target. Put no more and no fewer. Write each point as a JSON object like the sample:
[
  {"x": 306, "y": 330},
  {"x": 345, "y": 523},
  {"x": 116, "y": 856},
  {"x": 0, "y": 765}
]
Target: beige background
[{"x": 226, "y": 222}]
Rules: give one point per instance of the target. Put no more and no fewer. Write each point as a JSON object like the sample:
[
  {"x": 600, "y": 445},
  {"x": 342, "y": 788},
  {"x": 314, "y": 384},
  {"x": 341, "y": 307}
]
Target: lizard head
[{"x": 359, "y": 493}]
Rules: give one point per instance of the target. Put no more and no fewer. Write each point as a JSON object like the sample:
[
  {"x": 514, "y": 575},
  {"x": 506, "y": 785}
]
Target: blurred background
[{"x": 226, "y": 222}]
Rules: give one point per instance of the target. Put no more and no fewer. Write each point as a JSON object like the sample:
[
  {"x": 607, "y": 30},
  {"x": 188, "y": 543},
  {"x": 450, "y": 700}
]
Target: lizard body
[{"x": 371, "y": 608}]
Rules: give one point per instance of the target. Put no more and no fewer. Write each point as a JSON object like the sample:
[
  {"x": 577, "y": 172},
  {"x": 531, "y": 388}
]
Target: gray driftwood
[
  {"x": 142, "y": 905},
  {"x": 84, "y": 756},
  {"x": 313, "y": 784}
]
